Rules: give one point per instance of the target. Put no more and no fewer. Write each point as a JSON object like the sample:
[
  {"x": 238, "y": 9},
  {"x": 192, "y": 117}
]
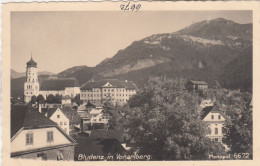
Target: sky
[{"x": 61, "y": 40}]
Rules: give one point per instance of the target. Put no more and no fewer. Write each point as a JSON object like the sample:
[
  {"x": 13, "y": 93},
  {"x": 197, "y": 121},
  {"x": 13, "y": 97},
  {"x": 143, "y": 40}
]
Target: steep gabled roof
[
  {"x": 88, "y": 85},
  {"x": 212, "y": 109},
  {"x": 27, "y": 117},
  {"x": 58, "y": 83},
  {"x": 48, "y": 112},
  {"x": 71, "y": 114},
  {"x": 129, "y": 85}
]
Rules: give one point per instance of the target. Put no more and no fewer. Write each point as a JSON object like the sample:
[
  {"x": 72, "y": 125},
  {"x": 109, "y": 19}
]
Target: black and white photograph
[{"x": 137, "y": 85}]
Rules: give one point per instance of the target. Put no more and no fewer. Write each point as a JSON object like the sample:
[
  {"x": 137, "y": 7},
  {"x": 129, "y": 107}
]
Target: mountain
[
  {"x": 209, "y": 50},
  {"x": 217, "y": 49},
  {"x": 18, "y": 79},
  {"x": 15, "y": 74}
]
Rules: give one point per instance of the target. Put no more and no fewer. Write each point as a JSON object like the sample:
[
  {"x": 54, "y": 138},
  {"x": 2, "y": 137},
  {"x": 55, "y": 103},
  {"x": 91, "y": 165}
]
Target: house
[
  {"x": 34, "y": 136},
  {"x": 215, "y": 120},
  {"x": 66, "y": 100},
  {"x": 112, "y": 90},
  {"x": 44, "y": 104},
  {"x": 60, "y": 86},
  {"x": 99, "y": 116},
  {"x": 58, "y": 116},
  {"x": 85, "y": 120},
  {"x": 196, "y": 85},
  {"x": 72, "y": 115}
]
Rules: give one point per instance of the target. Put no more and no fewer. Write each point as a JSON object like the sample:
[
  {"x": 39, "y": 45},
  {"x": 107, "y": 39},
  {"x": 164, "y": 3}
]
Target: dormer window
[
  {"x": 58, "y": 116},
  {"x": 219, "y": 117},
  {"x": 212, "y": 116}
]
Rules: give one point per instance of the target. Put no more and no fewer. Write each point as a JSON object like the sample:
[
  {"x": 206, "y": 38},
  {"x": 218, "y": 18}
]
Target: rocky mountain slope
[
  {"x": 210, "y": 50},
  {"x": 207, "y": 50}
]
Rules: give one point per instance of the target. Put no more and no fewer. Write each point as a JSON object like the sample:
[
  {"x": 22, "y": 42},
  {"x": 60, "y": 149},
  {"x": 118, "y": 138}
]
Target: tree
[
  {"x": 163, "y": 118},
  {"x": 50, "y": 98},
  {"x": 238, "y": 128},
  {"x": 33, "y": 99},
  {"x": 108, "y": 105},
  {"x": 77, "y": 100},
  {"x": 239, "y": 135},
  {"x": 57, "y": 99},
  {"x": 40, "y": 98}
]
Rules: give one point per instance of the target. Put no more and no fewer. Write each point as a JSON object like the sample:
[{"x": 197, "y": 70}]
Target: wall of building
[
  {"x": 51, "y": 154},
  {"x": 72, "y": 91},
  {"x": 110, "y": 93},
  {"x": 62, "y": 121},
  {"x": 39, "y": 139},
  {"x": 217, "y": 122}
]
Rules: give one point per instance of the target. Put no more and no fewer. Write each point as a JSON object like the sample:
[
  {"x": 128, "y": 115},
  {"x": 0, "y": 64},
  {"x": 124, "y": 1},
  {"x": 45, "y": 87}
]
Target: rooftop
[
  {"x": 213, "y": 109},
  {"x": 31, "y": 63},
  {"x": 58, "y": 83},
  {"x": 27, "y": 117},
  {"x": 129, "y": 85}
]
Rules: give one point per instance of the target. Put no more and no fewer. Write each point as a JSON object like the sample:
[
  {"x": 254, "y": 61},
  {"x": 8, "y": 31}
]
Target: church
[{"x": 62, "y": 86}]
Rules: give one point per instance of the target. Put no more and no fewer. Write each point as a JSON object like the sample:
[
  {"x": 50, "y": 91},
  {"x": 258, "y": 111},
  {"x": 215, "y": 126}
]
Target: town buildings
[
  {"x": 34, "y": 136},
  {"x": 62, "y": 86},
  {"x": 72, "y": 115},
  {"x": 57, "y": 116},
  {"x": 108, "y": 90}
]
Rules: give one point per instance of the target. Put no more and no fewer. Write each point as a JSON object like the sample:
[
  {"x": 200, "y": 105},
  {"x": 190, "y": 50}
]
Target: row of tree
[
  {"x": 165, "y": 121},
  {"x": 50, "y": 99}
]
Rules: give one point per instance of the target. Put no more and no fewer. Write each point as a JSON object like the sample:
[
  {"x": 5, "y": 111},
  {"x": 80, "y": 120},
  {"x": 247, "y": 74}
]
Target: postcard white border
[{"x": 114, "y": 6}]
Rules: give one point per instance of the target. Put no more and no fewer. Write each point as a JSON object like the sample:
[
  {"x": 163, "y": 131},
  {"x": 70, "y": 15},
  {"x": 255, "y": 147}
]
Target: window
[
  {"x": 61, "y": 123},
  {"x": 29, "y": 138},
  {"x": 219, "y": 117},
  {"x": 216, "y": 131},
  {"x": 216, "y": 139},
  {"x": 58, "y": 116},
  {"x": 212, "y": 116},
  {"x": 50, "y": 136},
  {"x": 209, "y": 130}
]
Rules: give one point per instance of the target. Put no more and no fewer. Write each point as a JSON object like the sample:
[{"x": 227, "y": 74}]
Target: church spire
[{"x": 31, "y": 63}]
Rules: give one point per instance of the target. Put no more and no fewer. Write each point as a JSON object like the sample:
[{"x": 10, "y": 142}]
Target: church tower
[{"x": 31, "y": 85}]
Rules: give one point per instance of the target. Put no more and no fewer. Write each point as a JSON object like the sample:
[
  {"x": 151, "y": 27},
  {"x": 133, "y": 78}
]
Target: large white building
[
  {"x": 62, "y": 86},
  {"x": 107, "y": 90},
  {"x": 216, "y": 121}
]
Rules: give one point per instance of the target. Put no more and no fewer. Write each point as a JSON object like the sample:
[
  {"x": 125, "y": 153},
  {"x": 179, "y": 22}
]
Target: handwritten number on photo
[{"x": 128, "y": 6}]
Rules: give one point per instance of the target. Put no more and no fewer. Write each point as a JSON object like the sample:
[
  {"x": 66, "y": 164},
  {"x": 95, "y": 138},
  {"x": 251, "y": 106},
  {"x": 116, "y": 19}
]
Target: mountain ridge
[{"x": 206, "y": 50}]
